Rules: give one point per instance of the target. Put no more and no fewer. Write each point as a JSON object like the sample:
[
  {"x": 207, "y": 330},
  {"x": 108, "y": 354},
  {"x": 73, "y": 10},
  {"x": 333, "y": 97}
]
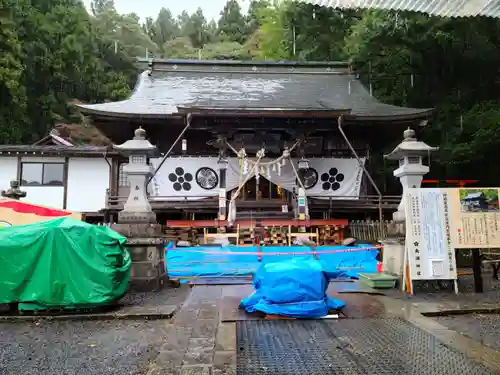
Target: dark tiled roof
[
  {"x": 258, "y": 87},
  {"x": 55, "y": 149}
]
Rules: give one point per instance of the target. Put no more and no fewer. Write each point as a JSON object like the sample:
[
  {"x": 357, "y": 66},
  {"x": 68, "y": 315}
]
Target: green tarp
[{"x": 62, "y": 263}]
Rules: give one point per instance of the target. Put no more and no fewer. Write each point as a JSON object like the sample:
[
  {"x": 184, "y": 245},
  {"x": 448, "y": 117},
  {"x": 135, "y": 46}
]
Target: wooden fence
[{"x": 369, "y": 231}]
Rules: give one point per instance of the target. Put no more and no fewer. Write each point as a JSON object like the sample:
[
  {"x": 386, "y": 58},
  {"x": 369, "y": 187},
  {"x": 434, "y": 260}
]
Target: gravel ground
[
  {"x": 83, "y": 348},
  {"x": 484, "y": 328},
  {"x": 124, "y": 347}
]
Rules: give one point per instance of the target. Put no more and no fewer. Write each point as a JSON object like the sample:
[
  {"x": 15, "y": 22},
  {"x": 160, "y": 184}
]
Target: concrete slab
[
  {"x": 482, "y": 328},
  {"x": 472, "y": 349}
]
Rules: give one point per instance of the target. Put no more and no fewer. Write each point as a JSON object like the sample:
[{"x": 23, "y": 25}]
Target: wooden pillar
[
  {"x": 476, "y": 269},
  {"x": 223, "y": 163}
]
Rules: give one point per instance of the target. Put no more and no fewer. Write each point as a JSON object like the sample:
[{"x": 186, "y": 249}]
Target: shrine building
[{"x": 221, "y": 116}]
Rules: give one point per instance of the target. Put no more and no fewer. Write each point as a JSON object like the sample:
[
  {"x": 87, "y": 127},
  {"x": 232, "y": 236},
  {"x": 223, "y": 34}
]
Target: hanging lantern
[
  {"x": 274, "y": 168},
  {"x": 268, "y": 172},
  {"x": 279, "y": 169},
  {"x": 303, "y": 163},
  {"x": 262, "y": 172}
]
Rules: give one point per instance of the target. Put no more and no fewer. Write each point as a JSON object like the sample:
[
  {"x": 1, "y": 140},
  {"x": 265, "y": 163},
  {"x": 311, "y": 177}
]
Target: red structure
[{"x": 456, "y": 183}]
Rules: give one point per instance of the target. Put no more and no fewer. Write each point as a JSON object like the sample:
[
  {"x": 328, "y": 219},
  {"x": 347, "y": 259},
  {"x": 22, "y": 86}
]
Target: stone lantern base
[
  {"x": 126, "y": 217},
  {"x": 146, "y": 244}
]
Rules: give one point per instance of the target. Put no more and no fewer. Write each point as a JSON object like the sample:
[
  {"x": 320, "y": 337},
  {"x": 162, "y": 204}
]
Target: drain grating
[{"x": 389, "y": 346}]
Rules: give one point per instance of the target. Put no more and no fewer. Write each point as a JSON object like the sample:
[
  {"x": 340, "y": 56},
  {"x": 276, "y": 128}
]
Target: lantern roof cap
[
  {"x": 410, "y": 146},
  {"x": 138, "y": 145}
]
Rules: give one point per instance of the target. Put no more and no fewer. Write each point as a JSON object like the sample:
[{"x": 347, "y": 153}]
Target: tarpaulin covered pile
[
  {"x": 62, "y": 263},
  {"x": 294, "y": 288},
  {"x": 210, "y": 261}
]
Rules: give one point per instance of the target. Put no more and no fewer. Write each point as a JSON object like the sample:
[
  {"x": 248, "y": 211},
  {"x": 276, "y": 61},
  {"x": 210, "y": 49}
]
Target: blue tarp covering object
[
  {"x": 294, "y": 288},
  {"x": 210, "y": 261}
]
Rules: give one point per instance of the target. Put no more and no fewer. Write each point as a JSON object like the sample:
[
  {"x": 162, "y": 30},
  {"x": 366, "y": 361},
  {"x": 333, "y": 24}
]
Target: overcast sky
[{"x": 150, "y": 8}]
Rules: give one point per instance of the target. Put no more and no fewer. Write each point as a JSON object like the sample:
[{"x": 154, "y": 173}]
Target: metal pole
[
  {"x": 362, "y": 165},
  {"x": 164, "y": 159}
]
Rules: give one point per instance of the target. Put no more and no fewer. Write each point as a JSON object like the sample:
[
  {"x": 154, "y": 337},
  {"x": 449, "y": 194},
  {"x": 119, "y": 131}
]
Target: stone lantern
[
  {"x": 137, "y": 208},
  {"x": 14, "y": 192},
  {"x": 411, "y": 169},
  {"x": 410, "y": 172},
  {"x": 137, "y": 221}
]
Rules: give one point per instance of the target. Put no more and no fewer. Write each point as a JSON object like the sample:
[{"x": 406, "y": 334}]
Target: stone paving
[
  {"x": 197, "y": 342},
  {"x": 201, "y": 338}
]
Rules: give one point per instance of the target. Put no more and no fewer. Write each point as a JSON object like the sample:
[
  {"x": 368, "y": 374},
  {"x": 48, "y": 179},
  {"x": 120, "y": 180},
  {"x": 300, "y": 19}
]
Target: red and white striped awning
[{"x": 444, "y": 8}]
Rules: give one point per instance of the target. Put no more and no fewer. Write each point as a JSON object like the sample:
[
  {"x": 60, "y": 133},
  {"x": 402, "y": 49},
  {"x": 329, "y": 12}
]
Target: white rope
[
  {"x": 255, "y": 166},
  {"x": 243, "y": 155},
  {"x": 297, "y": 175},
  {"x": 231, "y": 216}
]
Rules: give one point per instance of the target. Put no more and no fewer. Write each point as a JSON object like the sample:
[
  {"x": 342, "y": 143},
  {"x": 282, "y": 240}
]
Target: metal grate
[{"x": 389, "y": 346}]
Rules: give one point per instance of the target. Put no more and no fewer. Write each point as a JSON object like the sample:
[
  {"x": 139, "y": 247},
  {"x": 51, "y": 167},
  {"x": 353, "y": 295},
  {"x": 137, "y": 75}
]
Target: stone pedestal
[
  {"x": 393, "y": 261},
  {"x": 146, "y": 247},
  {"x": 137, "y": 221}
]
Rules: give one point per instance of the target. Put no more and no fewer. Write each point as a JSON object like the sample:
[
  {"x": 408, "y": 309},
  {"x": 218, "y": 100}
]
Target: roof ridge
[{"x": 284, "y": 63}]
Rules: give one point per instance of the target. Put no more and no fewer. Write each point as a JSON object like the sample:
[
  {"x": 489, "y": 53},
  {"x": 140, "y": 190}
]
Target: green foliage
[
  {"x": 12, "y": 92},
  {"x": 54, "y": 52},
  {"x": 224, "y": 51},
  {"x": 51, "y": 55},
  {"x": 232, "y": 23},
  {"x": 179, "y": 48},
  {"x": 254, "y": 18},
  {"x": 489, "y": 194},
  {"x": 164, "y": 28},
  {"x": 274, "y": 33}
]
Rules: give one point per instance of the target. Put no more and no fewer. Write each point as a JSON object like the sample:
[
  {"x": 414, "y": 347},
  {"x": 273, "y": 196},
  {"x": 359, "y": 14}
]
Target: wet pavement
[
  {"x": 197, "y": 341},
  {"x": 483, "y": 328},
  {"x": 201, "y": 336}
]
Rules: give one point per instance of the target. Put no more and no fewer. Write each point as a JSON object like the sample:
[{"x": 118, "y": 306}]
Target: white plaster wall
[
  {"x": 8, "y": 171},
  {"x": 88, "y": 179},
  {"x": 51, "y": 196}
]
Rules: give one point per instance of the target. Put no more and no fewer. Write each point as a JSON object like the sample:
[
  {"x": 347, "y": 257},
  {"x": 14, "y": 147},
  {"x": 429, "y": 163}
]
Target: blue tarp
[
  {"x": 293, "y": 287},
  {"x": 211, "y": 261}
]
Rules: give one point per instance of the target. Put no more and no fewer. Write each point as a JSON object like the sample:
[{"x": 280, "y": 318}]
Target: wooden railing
[
  {"x": 373, "y": 231},
  {"x": 341, "y": 203}
]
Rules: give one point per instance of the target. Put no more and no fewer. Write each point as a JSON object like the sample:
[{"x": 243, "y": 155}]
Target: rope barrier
[{"x": 311, "y": 252}]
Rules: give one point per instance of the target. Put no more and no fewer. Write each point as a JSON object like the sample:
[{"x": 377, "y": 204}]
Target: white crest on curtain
[
  {"x": 337, "y": 178},
  {"x": 328, "y": 177},
  {"x": 195, "y": 178},
  {"x": 191, "y": 178}
]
